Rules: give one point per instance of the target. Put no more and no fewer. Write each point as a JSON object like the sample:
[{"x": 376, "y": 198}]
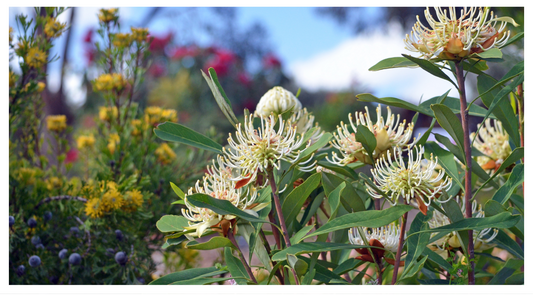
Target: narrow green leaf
[
  {"x": 297, "y": 237},
  {"x": 371, "y": 218},
  {"x": 508, "y": 269},
  {"x": 454, "y": 212},
  {"x": 312, "y": 247},
  {"x": 349, "y": 197},
  {"x": 214, "y": 243},
  {"x": 450, "y": 123},
  {"x": 177, "y": 190},
  {"x": 172, "y": 223},
  {"x": 203, "y": 281},
  {"x": 367, "y": 139},
  {"x": 323, "y": 141},
  {"x": 515, "y": 179},
  {"x": 334, "y": 200},
  {"x": 503, "y": 241},
  {"x": 445, "y": 159},
  {"x": 414, "y": 269},
  {"x": 219, "y": 206},
  {"x": 430, "y": 68},
  {"x": 175, "y": 132},
  {"x": 515, "y": 279},
  {"x": 323, "y": 274},
  {"x": 493, "y": 53},
  {"x": 235, "y": 267},
  {"x": 220, "y": 96},
  {"x": 183, "y": 275},
  {"x": 390, "y": 63},
  {"x": 513, "y": 39},
  {"x": 293, "y": 203},
  {"x": 391, "y": 102},
  {"x": 416, "y": 244},
  {"x": 174, "y": 241},
  {"x": 515, "y": 156},
  {"x": 347, "y": 265},
  {"x": 432, "y": 256}
]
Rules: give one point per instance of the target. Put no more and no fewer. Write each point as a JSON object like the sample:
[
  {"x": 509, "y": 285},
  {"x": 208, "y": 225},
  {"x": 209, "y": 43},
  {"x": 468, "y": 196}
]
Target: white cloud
[{"x": 346, "y": 65}]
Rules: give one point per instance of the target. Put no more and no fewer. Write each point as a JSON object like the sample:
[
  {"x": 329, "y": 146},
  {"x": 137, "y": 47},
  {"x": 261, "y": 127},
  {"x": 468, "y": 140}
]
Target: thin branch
[
  {"x": 60, "y": 197},
  {"x": 231, "y": 237},
  {"x": 399, "y": 251}
]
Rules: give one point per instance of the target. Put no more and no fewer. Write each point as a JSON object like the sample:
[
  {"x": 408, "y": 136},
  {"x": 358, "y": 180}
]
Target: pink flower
[
  {"x": 72, "y": 156},
  {"x": 271, "y": 61}
]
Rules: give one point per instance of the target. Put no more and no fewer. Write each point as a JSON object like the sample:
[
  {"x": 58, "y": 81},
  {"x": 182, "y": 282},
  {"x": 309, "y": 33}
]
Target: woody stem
[
  {"x": 231, "y": 237},
  {"x": 399, "y": 251}
]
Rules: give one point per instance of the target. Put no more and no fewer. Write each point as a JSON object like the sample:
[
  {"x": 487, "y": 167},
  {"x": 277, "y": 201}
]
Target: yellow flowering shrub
[{"x": 56, "y": 123}]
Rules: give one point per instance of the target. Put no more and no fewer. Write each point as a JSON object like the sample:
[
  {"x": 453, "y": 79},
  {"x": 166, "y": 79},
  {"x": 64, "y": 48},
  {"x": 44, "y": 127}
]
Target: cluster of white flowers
[
  {"x": 388, "y": 133},
  {"x": 454, "y": 37},
  {"x": 277, "y": 101},
  {"x": 408, "y": 180},
  {"x": 388, "y": 236},
  {"x": 493, "y": 141},
  {"x": 481, "y": 238}
]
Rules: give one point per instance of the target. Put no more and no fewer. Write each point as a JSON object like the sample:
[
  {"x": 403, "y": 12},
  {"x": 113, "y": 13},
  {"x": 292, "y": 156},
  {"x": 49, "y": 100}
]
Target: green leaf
[
  {"x": 367, "y": 139},
  {"x": 445, "y": 159},
  {"x": 432, "y": 256},
  {"x": 450, "y": 123},
  {"x": 235, "y": 267},
  {"x": 219, "y": 206},
  {"x": 430, "y": 68},
  {"x": 515, "y": 279},
  {"x": 297, "y": 237},
  {"x": 358, "y": 279},
  {"x": 323, "y": 141},
  {"x": 298, "y": 265},
  {"x": 515, "y": 156},
  {"x": 174, "y": 241},
  {"x": 454, "y": 212},
  {"x": 177, "y": 190},
  {"x": 508, "y": 269},
  {"x": 416, "y": 244},
  {"x": 334, "y": 200},
  {"x": 220, "y": 96},
  {"x": 313, "y": 247},
  {"x": 414, "y": 269},
  {"x": 203, "y": 281},
  {"x": 371, "y": 218},
  {"x": 503, "y": 241},
  {"x": 172, "y": 223},
  {"x": 187, "y": 274},
  {"x": 293, "y": 203},
  {"x": 323, "y": 274},
  {"x": 391, "y": 63},
  {"x": 347, "y": 265},
  {"x": 391, "y": 102},
  {"x": 178, "y": 202},
  {"x": 502, "y": 220},
  {"x": 214, "y": 243},
  {"x": 493, "y": 53},
  {"x": 515, "y": 179},
  {"x": 349, "y": 197},
  {"x": 175, "y": 132}
]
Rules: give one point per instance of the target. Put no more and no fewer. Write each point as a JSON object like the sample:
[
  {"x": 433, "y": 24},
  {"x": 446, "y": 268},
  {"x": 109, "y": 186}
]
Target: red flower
[
  {"x": 221, "y": 61},
  {"x": 184, "y": 51},
  {"x": 72, "y": 156},
  {"x": 157, "y": 70},
  {"x": 159, "y": 44},
  {"x": 271, "y": 61},
  {"x": 88, "y": 36},
  {"x": 244, "y": 78}
]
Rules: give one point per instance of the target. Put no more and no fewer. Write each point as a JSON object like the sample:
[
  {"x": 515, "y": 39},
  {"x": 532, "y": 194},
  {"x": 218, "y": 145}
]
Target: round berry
[
  {"x": 40, "y": 246},
  {"x": 35, "y": 261},
  {"x": 74, "y": 259},
  {"x": 35, "y": 240},
  {"x": 119, "y": 235},
  {"x": 121, "y": 258},
  {"x": 110, "y": 252},
  {"x": 21, "y": 269},
  {"x": 47, "y": 216},
  {"x": 11, "y": 221},
  {"x": 32, "y": 223},
  {"x": 63, "y": 254}
]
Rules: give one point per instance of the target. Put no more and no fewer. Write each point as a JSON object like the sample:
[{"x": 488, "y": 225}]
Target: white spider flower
[
  {"x": 493, "y": 141},
  {"x": 256, "y": 150},
  {"x": 388, "y": 132},
  {"x": 201, "y": 219},
  {"x": 304, "y": 121},
  {"x": 388, "y": 236},
  {"x": 454, "y": 37},
  {"x": 411, "y": 180},
  {"x": 481, "y": 238},
  {"x": 276, "y": 101}
]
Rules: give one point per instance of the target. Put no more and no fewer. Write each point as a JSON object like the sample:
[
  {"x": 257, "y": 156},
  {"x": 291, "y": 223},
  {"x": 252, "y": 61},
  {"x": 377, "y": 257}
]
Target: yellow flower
[
  {"x": 132, "y": 200},
  {"x": 139, "y": 34},
  {"x": 85, "y": 142},
  {"x": 122, "y": 40},
  {"x": 56, "y": 123},
  {"x": 165, "y": 154},
  {"x": 454, "y": 37},
  {"x": 53, "y": 28},
  {"x": 40, "y": 86},
  {"x": 108, "y": 82},
  {"x": 10, "y": 35},
  {"x": 26, "y": 175},
  {"x": 107, "y": 15},
  {"x": 12, "y": 79},
  {"x": 108, "y": 113},
  {"x": 53, "y": 183},
  {"x": 22, "y": 48},
  {"x": 35, "y": 58},
  {"x": 93, "y": 208},
  {"x": 114, "y": 139},
  {"x": 169, "y": 115},
  {"x": 137, "y": 125},
  {"x": 152, "y": 115},
  {"x": 112, "y": 200}
]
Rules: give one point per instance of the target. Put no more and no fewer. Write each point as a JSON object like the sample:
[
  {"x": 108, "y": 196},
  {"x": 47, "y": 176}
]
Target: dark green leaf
[
  {"x": 219, "y": 206},
  {"x": 390, "y": 63},
  {"x": 416, "y": 244},
  {"x": 366, "y": 138},
  {"x": 293, "y": 203},
  {"x": 175, "y": 132},
  {"x": 297, "y": 237},
  {"x": 172, "y": 223},
  {"x": 371, "y": 218},
  {"x": 312, "y": 247},
  {"x": 349, "y": 197},
  {"x": 450, "y": 123},
  {"x": 430, "y": 68},
  {"x": 432, "y": 256},
  {"x": 503, "y": 241},
  {"x": 445, "y": 159},
  {"x": 203, "y": 281},
  {"x": 515, "y": 179},
  {"x": 235, "y": 267},
  {"x": 334, "y": 200},
  {"x": 187, "y": 274},
  {"x": 323, "y": 141},
  {"x": 508, "y": 269},
  {"x": 214, "y": 243},
  {"x": 515, "y": 279},
  {"x": 455, "y": 213}
]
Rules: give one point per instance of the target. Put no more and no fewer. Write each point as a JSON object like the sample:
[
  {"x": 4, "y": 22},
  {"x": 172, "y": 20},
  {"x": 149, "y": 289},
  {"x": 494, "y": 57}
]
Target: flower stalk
[
  {"x": 399, "y": 251},
  {"x": 468, "y": 169}
]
